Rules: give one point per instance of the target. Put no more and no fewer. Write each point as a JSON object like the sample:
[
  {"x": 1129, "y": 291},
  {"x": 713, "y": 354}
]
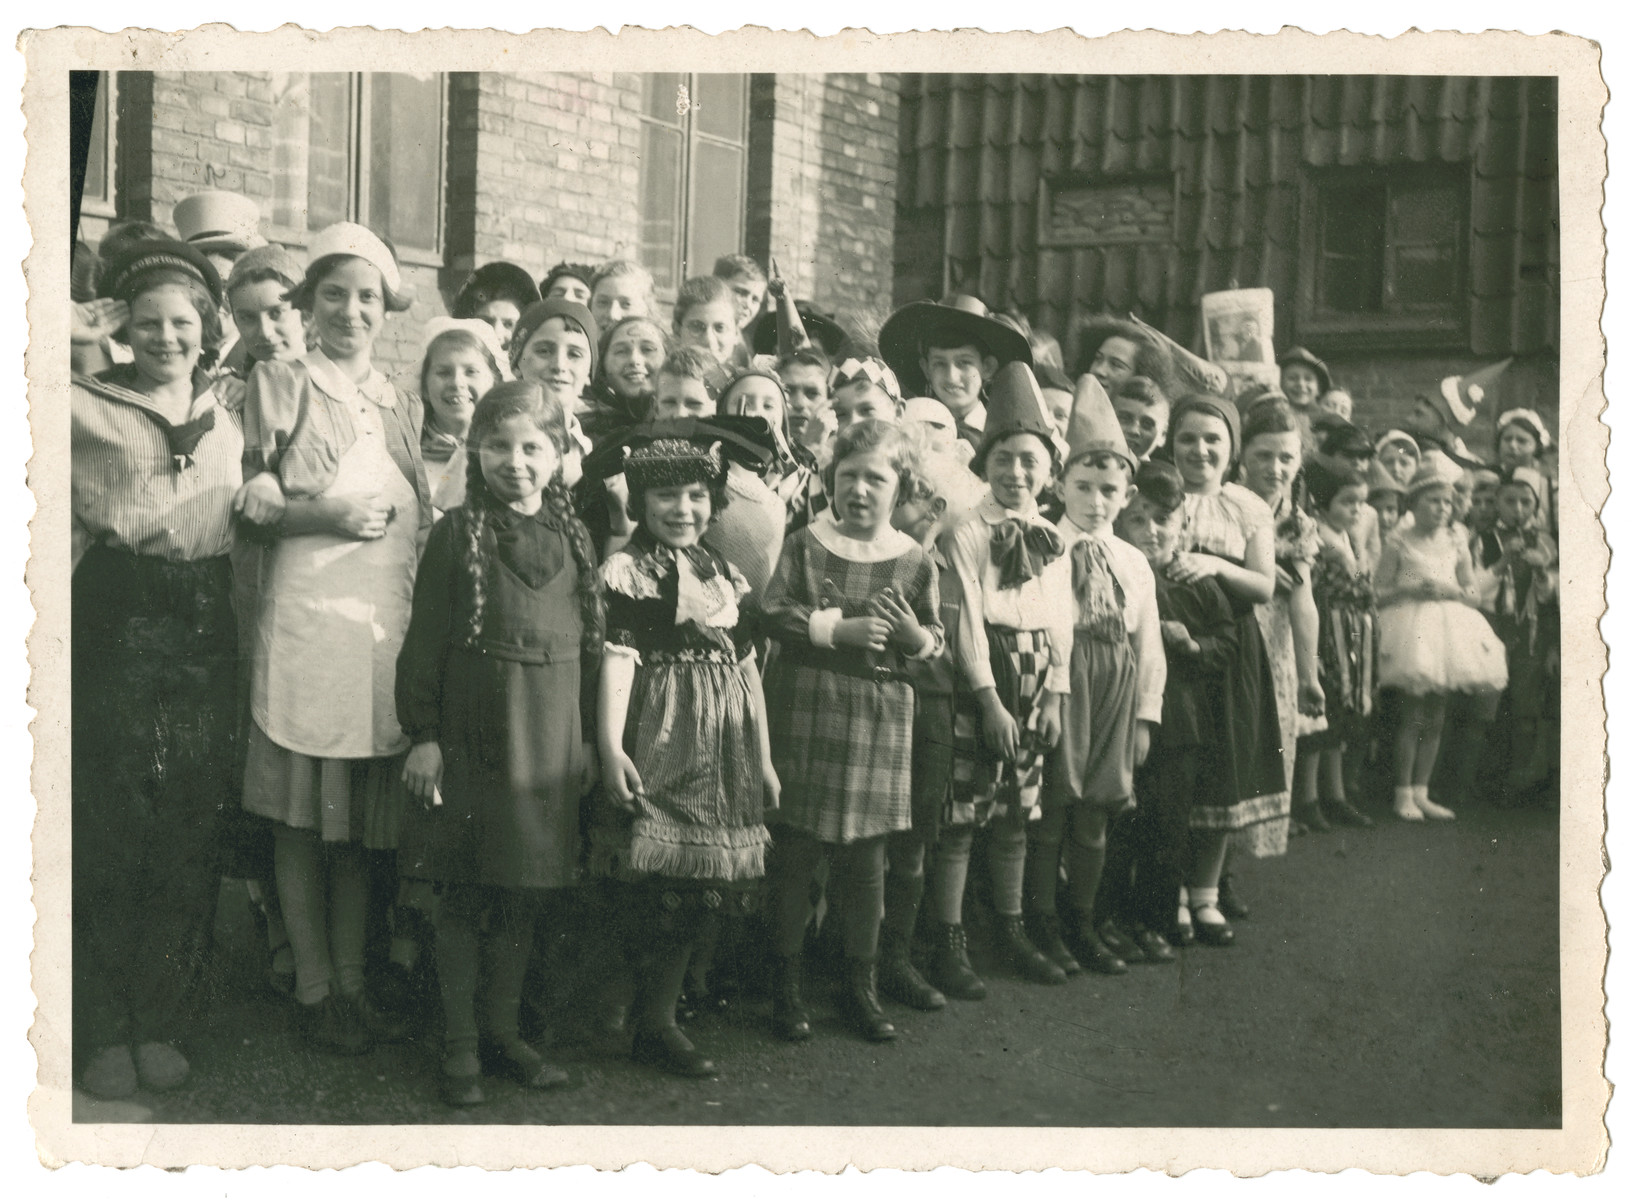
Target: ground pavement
[{"x": 1401, "y": 976}]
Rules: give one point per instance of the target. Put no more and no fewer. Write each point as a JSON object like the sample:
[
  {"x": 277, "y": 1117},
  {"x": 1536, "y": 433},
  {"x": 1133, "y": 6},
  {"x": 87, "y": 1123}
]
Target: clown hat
[
  {"x": 1461, "y": 398},
  {"x": 955, "y": 319},
  {"x": 1093, "y": 427},
  {"x": 1014, "y": 404}
]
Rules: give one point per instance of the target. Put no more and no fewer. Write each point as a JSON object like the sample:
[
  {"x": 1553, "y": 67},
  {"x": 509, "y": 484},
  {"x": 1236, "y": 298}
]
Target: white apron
[{"x": 333, "y": 615}]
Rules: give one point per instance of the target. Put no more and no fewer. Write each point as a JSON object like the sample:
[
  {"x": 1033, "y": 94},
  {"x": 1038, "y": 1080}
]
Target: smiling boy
[{"x": 950, "y": 350}]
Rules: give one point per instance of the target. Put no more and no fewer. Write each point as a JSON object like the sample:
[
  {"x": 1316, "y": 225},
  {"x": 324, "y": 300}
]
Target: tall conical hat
[
  {"x": 1093, "y": 427},
  {"x": 1014, "y": 404},
  {"x": 1461, "y": 398}
]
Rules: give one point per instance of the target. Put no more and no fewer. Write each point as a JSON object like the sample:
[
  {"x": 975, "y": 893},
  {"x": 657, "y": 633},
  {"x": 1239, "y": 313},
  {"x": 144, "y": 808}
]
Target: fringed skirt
[{"x": 693, "y": 733}]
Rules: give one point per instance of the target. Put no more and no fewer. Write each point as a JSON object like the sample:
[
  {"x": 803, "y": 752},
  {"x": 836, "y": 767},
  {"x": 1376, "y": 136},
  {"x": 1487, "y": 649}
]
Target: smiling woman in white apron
[{"x": 342, "y": 446}]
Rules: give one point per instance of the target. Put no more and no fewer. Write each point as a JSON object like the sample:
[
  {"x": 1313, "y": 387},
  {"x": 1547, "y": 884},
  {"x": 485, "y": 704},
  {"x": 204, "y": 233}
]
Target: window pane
[
  {"x": 721, "y": 101},
  {"x": 1351, "y": 242},
  {"x": 659, "y": 202},
  {"x": 1425, "y": 275},
  {"x": 716, "y": 205},
  {"x": 1426, "y": 214},
  {"x": 405, "y": 152},
  {"x": 96, "y": 161},
  {"x": 662, "y": 90},
  {"x": 328, "y": 162}
]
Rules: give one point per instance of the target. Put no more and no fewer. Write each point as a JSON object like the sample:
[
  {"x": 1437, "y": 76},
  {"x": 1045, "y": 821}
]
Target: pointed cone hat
[
  {"x": 1093, "y": 427},
  {"x": 1015, "y": 404},
  {"x": 1462, "y": 397}
]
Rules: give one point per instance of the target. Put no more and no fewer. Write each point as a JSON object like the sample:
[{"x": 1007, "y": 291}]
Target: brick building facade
[{"x": 535, "y": 167}]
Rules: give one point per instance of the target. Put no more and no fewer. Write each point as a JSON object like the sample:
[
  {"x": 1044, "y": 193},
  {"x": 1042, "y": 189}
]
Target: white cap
[
  {"x": 219, "y": 220},
  {"x": 347, "y": 237},
  {"x": 930, "y": 411}
]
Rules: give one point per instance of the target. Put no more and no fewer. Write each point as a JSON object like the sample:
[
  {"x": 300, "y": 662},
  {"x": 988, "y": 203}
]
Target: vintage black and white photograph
[{"x": 871, "y": 598}]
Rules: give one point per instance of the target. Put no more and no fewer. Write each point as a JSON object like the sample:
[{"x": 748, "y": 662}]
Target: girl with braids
[{"x": 492, "y": 682}]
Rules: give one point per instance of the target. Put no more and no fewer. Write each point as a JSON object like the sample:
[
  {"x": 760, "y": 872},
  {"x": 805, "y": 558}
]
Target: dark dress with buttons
[{"x": 507, "y": 711}]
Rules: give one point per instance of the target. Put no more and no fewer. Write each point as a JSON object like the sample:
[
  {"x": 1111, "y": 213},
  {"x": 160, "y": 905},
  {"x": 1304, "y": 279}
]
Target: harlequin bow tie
[{"x": 1021, "y": 549}]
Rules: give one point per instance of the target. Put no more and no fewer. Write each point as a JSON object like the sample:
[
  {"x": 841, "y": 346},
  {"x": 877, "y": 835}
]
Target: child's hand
[
  {"x": 1001, "y": 730},
  {"x": 772, "y": 793},
  {"x": 1048, "y": 720},
  {"x": 621, "y": 778},
  {"x": 97, "y": 319},
  {"x": 362, "y": 518},
  {"x": 1190, "y": 566},
  {"x": 422, "y": 772},
  {"x": 1311, "y": 698},
  {"x": 905, "y": 630},
  {"x": 260, "y": 501},
  {"x": 1141, "y": 742},
  {"x": 1177, "y": 637},
  {"x": 862, "y": 633}
]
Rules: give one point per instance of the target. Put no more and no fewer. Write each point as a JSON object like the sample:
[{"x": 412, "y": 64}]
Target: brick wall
[
  {"x": 206, "y": 129},
  {"x": 855, "y": 241}
]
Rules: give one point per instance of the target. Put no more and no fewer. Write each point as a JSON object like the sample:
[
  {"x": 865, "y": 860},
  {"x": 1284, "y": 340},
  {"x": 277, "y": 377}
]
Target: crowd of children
[{"x": 724, "y": 621}]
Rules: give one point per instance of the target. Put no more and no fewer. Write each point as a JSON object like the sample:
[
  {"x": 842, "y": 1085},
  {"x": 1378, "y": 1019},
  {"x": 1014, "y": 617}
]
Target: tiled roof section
[{"x": 976, "y": 150}]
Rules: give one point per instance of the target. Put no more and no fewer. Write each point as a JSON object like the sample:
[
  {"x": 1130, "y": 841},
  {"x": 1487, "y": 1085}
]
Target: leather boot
[
  {"x": 899, "y": 979},
  {"x": 1023, "y": 956},
  {"x": 1045, "y": 934},
  {"x": 860, "y": 1000},
  {"x": 949, "y": 967},
  {"x": 788, "y": 1012}
]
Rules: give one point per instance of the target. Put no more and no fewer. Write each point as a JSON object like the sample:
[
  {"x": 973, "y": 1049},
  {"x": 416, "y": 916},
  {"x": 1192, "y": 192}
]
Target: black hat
[
  {"x": 580, "y": 271},
  {"x": 535, "y": 315},
  {"x": 497, "y": 280},
  {"x": 824, "y": 331},
  {"x": 121, "y": 276},
  {"x": 1337, "y": 436},
  {"x": 747, "y": 441},
  {"x": 958, "y": 318}
]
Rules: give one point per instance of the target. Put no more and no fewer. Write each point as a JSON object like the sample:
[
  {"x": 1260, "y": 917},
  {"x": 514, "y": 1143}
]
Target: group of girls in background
[{"x": 739, "y": 617}]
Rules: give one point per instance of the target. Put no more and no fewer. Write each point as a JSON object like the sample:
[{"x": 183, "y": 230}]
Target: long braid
[
  {"x": 478, "y": 500},
  {"x": 591, "y": 605}
]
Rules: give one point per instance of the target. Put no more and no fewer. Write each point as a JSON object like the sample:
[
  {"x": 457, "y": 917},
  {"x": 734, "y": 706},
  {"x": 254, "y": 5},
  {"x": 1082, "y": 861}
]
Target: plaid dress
[{"x": 841, "y": 719}]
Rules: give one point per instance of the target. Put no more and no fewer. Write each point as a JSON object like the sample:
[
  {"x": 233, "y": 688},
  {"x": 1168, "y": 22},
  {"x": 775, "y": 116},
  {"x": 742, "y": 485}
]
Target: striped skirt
[{"x": 987, "y": 788}]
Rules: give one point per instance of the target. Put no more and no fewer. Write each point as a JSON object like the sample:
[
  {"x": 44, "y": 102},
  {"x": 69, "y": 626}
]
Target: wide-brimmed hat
[
  {"x": 747, "y": 441},
  {"x": 121, "y": 279},
  {"x": 219, "y": 221},
  {"x": 957, "y": 319},
  {"x": 825, "y": 333},
  {"x": 1297, "y": 354},
  {"x": 498, "y": 280},
  {"x": 1093, "y": 427}
]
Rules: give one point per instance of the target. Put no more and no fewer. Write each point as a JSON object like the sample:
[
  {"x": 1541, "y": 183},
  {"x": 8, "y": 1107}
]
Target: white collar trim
[{"x": 890, "y": 543}]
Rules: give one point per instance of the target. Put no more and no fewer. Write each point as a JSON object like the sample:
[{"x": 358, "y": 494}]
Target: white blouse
[{"x": 1045, "y": 602}]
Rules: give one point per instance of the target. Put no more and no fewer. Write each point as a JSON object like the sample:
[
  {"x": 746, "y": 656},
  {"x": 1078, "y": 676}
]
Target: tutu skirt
[{"x": 1439, "y": 646}]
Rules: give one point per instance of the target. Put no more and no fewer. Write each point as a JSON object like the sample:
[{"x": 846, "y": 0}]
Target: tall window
[
  {"x": 360, "y": 147},
  {"x": 693, "y": 165},
  {"x": 97, "y": 196},
  {"x": 1387, "y": 249}
]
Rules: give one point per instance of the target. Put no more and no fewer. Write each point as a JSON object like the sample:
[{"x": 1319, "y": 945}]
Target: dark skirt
[
  {"x": 512, "y": 759},
  {"x": 154, "y": 712}
]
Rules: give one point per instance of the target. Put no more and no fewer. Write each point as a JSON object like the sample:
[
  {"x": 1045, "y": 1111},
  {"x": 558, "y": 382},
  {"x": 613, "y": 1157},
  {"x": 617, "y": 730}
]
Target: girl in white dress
[{"x": 1432, "y": 638}]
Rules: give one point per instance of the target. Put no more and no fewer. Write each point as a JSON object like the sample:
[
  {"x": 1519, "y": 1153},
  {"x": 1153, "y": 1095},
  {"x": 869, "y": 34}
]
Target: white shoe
[
  {"x": 1405, "y": 804},
  {"x": 1428, "y": 808}
]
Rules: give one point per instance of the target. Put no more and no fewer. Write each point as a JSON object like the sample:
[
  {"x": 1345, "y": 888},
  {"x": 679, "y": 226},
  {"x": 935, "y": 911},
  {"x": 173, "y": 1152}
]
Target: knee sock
[
  {"x": 1043, "y": 861},
  {"x": 903, "y": 888},
  {"x": 951, "y": 874},
  {"x": 1008, "y": 865},
  {"x": 458, "y": 937},
  {"x": 794, "y": 870},
  {"x": 510, "y": 946},
  {"x": 298, "y": 863},
  {"x": 862, "y": 906},
  {"x": 1085, "y": 863},
  {"x": 348, "y": 915}
]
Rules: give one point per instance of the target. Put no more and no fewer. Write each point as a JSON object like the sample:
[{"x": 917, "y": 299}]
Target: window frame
[
  {"x": 1394, "y": 325},
  {"x": 106, "y": 204},
  {"x": 690, "y": 136},
  {"x": 359, "y": 116}
]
